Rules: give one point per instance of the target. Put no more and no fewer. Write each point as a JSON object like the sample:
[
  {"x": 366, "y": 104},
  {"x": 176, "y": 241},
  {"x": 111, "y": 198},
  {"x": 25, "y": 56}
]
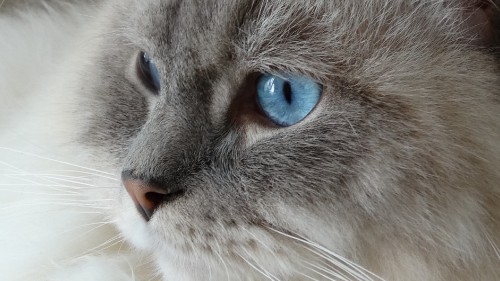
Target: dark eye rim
[
  {"x": 144, "y": 73},
  {"x": 245, "y": 108}
]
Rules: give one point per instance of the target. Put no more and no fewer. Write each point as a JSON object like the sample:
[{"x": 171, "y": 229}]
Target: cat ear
[{"x": 480, "y": 19}]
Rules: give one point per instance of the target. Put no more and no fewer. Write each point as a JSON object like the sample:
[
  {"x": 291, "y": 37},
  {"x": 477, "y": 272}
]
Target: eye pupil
[
  {"x": 287, "y": 92},
  {"x": 148, "y": 72}
]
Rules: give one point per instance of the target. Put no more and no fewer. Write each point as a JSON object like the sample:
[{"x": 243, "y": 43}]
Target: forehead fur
[{"x": 312, "y": 37}]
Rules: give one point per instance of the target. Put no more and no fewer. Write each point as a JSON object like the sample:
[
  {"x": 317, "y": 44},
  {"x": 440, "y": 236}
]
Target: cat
[{"x": 250, "y": 140}]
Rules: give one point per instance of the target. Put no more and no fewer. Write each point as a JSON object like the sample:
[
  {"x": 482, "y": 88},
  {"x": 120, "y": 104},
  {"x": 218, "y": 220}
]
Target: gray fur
[{"x": 397, "y": 169}]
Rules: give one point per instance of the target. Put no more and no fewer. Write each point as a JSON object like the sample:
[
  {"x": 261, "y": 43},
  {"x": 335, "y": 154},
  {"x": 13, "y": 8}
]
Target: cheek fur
[{"x": 392, "y": 176}]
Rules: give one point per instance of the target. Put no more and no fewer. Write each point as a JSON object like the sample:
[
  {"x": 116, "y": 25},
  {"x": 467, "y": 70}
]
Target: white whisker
[
  {"x": 322, "y": 271},
  {"x": 338, "y": 263},
  {"x": 67, "y": 194},
  {"x": 359, "y": 272},
  {"x": 262, "y": 243},
  {"x": 19, "y": 170},
  {"x": 132, "y": 271},
  {"x": 55, "y": 203},
  {"x": 328, "y": 265},
  {"x": 495, "y": 247},
  {"x": 307, "y": 276},
  {"x": 49, "y": 181},
  {"x": 99, "y": 187},
  {"x": 221, "y": 259},
  {"x": 350, "y": 124},
  {"x": 107, "y": 244},
  {"x": 121, "y": 246},
  {"x": 257, "y": 268},
  {"x": 99, "y": 224},
  {"x": 209, "y": 265},
  {"x": 91, "y": 230},
  {"x": 57, "y": 185},
  {"x": 83, "y": 174},
  {"x": 44, "y": 175},
  {"x": 53, "y": 160},
  {"x": 50, "y": 184},
  {"x": 83, "y": 200},
  {"x": 69, "y": 181},
  {"x": 261, "y": 267},
  {"x": 10, "y": 166}
]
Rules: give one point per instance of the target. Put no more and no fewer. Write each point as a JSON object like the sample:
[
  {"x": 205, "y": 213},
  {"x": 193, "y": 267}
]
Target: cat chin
[
  {"x": 291, "y": 262},
  {"x": 176, "y": 265},
  {"x": 255, "y": 253}
]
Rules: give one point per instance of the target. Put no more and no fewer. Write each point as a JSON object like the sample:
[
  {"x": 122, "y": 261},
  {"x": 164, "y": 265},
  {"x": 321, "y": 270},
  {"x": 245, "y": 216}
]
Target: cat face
[{"x": 386, "y": 161}]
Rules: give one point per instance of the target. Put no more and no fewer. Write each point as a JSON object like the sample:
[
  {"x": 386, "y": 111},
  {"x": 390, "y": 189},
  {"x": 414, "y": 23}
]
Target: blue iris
[
  {"x": 287, "y": 101},
  {"x": 149, "y": 71}
]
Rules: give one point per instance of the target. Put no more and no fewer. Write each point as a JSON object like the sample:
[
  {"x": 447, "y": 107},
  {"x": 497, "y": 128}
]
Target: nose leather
[{"x": 146, "y": 196}]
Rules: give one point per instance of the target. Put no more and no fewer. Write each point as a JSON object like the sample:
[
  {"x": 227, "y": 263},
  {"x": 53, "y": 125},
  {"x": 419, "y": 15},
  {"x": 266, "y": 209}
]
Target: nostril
[
  {"x": 147, "y": 195},
  {"x": 155, "y": 198}
]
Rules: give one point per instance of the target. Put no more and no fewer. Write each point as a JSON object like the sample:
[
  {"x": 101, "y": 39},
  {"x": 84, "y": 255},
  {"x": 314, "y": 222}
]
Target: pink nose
[{"x": 146, "y": 196}]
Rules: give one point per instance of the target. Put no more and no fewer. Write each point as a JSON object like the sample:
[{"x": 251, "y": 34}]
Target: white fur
[
  {"x": 54, "y": 223},
  {"x": 55, "y": 215}
]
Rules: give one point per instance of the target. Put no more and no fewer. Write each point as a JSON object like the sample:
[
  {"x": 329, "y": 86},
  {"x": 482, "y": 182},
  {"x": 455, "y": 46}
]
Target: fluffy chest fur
[{"x": 393, "y": 175}]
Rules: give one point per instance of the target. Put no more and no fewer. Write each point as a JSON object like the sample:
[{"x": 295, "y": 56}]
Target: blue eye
[
  {"x": 148, "y": 72},
  {"x": 287, "y": 101}
]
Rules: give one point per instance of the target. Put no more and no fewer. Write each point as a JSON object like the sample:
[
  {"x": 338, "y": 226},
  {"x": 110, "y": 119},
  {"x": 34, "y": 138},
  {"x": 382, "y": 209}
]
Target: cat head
[{"x": 263, "y": 138}]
